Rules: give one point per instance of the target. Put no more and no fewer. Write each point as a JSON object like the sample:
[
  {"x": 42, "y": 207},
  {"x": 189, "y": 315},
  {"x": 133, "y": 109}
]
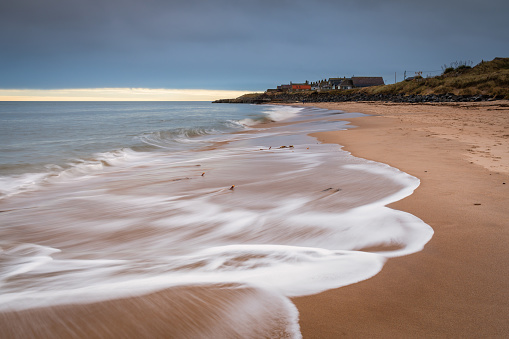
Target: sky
[{"x": 235, "y": 45}]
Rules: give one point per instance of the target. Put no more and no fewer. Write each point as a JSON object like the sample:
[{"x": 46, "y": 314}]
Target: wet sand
[
  {"x": 215, "y": 312},
  {"x": 457, "y": 286}
]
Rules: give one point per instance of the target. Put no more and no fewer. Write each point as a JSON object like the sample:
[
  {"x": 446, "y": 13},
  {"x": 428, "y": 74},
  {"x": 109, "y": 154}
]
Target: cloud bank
[{"x": 239, "y": 44}]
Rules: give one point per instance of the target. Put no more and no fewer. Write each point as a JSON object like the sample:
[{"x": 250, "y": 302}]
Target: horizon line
[{"x": 118, "y": 94}]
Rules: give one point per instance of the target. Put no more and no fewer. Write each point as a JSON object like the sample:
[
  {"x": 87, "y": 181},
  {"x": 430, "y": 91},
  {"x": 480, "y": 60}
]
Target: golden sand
[{"x": 457, "y": 286}]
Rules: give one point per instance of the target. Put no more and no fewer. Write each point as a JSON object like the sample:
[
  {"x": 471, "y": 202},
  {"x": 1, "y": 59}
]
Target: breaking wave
[{"x": 224, "y": 234}]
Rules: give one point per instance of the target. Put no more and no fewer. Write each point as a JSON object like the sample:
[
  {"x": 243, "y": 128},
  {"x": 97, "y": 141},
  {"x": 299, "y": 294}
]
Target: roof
[
  {"x": 346, "y": 82},
  {"x": 301, "y": 86},
  {"x": 335, "y": 81},
  {"x": 367, "y": 81}
]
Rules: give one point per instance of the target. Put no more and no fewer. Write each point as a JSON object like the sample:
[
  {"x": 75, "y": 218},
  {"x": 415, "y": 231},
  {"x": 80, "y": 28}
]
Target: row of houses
[{"x": 332, "y": 83}]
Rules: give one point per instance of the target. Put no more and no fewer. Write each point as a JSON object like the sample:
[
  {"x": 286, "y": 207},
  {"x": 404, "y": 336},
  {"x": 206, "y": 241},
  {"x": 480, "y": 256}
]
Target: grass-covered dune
[
  {"x": 487, "y": 78},
  {"x": 486, "y": 81}
]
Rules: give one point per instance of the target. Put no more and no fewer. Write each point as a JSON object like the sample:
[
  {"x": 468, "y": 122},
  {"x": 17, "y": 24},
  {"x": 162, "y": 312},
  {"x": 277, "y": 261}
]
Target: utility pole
[{"x": 395, "y": 77}]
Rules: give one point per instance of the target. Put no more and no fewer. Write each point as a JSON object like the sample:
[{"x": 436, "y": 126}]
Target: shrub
[
  {"x": 448, "y": 70},
  {"x": 462, "y": 67}
]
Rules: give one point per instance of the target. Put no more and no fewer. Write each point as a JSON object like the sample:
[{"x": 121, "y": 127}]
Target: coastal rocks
[
  {"x": 346, "y": 97},
  {"x": 401, "y": 98},
  {"x": 241, "y": 100}
]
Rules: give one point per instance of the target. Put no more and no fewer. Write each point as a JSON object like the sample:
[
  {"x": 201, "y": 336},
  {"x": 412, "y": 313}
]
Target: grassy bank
[
  {"x": 488, "y": 78},
  {"x": 486, "y": 81}
]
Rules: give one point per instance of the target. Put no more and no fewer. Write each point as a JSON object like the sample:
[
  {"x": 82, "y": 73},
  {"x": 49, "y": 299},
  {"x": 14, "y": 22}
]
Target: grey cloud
[{"x": 207, "y": 43}]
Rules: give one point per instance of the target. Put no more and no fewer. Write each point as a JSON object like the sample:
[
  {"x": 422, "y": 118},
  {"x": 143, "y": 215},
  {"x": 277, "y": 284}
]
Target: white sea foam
[
  {"x": 79, "y": 169},
  {"x": 278, "y": 113},
  {"x": 284, "y": 222},
  {"x": 13, "y": 184},
  {"x": 272, "y": 113},
  {"x": 247, "y": 236}
]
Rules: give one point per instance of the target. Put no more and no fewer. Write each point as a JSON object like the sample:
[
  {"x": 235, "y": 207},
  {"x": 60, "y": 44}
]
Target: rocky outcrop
[
  {"x": 243, "y": 101},
  {"x": 400, "y": 98},
  {"x": 358, "y": 96}
]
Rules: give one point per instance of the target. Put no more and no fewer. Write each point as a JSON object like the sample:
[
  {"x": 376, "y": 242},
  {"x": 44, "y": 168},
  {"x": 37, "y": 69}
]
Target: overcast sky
[{"x": 239, "y": 44}]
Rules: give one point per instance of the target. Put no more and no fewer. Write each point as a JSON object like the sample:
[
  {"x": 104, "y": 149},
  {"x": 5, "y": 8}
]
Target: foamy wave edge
[
  {"x": 18, "y": 183},
  {"x": 273, "y": 113}
]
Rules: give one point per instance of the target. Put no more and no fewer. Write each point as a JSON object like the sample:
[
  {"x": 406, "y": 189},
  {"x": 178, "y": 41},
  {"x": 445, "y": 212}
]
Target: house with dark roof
[
  {"x": 346, "y": 84},
  {"x": 367, "y": 81},
  {"x": 320, "y": 85},
  {"x": 334, "y": 82},
  {"x": 355, "y": 82},
  {"x": 284, "y": 88}
]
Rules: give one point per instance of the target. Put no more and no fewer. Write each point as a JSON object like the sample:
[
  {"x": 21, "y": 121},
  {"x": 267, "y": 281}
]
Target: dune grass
[{"x": 487, "y": 78}]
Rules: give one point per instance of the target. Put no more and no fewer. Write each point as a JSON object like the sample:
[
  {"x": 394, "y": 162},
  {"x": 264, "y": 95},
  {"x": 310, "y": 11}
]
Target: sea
[{"x": 229, "y": 209}]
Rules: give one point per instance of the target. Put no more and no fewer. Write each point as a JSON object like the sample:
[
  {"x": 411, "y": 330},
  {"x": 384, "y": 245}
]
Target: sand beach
[{"x": 457, "y": 286}]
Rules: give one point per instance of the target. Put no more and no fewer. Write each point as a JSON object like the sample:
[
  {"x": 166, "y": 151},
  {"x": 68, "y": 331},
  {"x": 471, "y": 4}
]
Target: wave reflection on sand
[{"x": 212, "y": 241}]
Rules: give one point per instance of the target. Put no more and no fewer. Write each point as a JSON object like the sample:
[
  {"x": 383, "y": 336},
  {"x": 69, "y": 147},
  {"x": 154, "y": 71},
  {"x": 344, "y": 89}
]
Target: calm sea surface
[{"x": 229, "y": 217}]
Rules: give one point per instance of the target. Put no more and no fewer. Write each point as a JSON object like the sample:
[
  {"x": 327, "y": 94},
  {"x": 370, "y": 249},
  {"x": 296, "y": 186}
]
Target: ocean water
[
  {"x": 47, "y": 137},
  {"x": 102, "y": 201}
]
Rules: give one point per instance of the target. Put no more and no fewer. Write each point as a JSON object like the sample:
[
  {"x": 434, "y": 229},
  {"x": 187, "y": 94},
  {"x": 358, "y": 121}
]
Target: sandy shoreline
[{"x": 457, "y": 286}]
